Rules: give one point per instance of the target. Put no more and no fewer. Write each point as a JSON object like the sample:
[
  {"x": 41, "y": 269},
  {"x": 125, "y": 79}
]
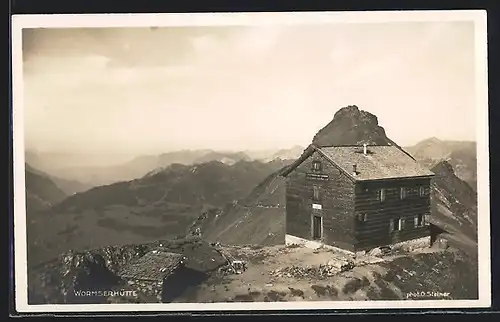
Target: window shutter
[
  {"x": 391, "y": 225},
  {"x": 415, "y": 221},
  {"x": 381, "y": 194},
  {"x": 401, "y": 223}
]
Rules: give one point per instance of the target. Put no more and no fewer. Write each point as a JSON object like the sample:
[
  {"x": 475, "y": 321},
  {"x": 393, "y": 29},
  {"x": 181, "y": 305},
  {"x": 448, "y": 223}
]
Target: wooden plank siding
[
  {"x": 375, "y": 230},
  {"x": 336, "y": 198}
]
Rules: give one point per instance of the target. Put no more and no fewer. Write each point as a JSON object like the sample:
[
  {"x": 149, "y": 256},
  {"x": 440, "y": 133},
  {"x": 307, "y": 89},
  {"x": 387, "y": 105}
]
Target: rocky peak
[
  {"x": 353, "y": 112},
  {"x": 352, "y": 126}
]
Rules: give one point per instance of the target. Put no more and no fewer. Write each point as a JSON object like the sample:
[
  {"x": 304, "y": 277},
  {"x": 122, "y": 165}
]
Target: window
[
  {"x": 316, "y": 165},
  {"x": 316, "y": 195},
  {"x": 421, "y": 191},
  {"x": 402, "y": 193},
  {"x": 381, "y": 195},
  {"x": 396, "y": 224},
  {"x": 427, "y": 218},
  {"x": 419, "y": 221},
  {"x": 362, "y": 217}
]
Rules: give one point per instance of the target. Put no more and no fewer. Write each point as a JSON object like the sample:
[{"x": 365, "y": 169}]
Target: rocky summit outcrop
[{"x": 352, "y": 126}]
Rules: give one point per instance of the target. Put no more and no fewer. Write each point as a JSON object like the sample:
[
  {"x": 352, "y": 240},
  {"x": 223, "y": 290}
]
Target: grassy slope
[{"x": 259, "y": 219}]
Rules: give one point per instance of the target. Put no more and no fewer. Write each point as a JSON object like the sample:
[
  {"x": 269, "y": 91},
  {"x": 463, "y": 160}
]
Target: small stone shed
[{"x": 151, "y": 273}]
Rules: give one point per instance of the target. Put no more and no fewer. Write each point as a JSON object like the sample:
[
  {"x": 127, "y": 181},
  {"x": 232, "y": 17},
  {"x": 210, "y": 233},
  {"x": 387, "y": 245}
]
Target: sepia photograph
[{"x": 251, "y": 161}]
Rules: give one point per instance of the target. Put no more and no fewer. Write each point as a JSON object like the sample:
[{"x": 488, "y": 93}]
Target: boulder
[
  {"x": 441, "y": 243},
  {"x": 360, "y": 253},
  {"x": 375, "y": 252}
]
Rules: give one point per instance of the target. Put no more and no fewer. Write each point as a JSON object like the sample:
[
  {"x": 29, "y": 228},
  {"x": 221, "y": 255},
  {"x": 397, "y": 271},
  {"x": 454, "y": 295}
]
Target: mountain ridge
[
  {"x": 460, "y": 154},
  {"x": 41, "y": 191},
  {"x": 80, "y": 177},
  {"x": 159, "y": 205}
]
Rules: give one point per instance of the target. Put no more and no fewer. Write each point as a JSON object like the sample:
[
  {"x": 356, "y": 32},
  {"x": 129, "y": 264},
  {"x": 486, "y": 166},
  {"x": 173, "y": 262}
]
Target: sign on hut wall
[{"x": 317, "y": 176}]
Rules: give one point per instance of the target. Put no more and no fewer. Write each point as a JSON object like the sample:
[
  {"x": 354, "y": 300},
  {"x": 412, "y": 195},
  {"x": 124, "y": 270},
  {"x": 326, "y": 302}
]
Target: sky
[{"x": 153, "y": 90}]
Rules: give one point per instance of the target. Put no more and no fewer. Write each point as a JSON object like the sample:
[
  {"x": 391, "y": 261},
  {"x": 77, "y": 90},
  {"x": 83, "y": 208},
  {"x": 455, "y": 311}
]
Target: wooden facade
[
  {"x": 382, "y": 217},
  {"x": 328, "y": 203},
  {"x": 336, "y": 194}
]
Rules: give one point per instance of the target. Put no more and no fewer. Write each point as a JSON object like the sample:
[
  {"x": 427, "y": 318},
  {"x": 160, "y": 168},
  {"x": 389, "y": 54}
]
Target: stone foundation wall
[
  {"x": 291, "y": 240},
  {"x": 413, "y": 244}
]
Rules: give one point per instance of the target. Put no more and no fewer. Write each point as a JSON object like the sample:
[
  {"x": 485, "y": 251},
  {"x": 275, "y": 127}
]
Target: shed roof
[
  {"x": 154, "y": 266},
  {"x": 380, "y": 162}
]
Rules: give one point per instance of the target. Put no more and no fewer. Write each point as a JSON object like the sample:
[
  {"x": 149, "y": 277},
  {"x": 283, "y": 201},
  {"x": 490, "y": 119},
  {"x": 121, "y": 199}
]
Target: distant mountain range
[
  {"x": 69, "y": 187},
  {"x": 162, "y": 204},
  {"x": 41, "y": 191},
  {"x": 76, "y": 178},
  {"x": 460, "y": 154}
]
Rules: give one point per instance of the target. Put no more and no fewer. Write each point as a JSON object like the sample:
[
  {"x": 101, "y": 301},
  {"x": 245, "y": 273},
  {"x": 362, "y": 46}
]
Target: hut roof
[{"x": 153, "y": 266}]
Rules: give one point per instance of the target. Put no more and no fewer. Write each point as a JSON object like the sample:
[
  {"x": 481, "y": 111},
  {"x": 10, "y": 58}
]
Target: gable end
[{"x": 309, "y": 152}]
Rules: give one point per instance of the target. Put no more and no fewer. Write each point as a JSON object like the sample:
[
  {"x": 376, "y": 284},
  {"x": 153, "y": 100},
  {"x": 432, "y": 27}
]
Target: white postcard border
[{"x": 221, "y": 19}]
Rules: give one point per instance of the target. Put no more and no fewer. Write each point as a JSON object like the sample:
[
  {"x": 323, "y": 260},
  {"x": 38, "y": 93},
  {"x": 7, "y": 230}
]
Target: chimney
[
  {"x": 354, "y": 170},
  {"x": 364, "y": 148}
]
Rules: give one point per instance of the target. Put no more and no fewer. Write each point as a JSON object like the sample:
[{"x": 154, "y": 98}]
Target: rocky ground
[
  {"x": 296, "y": 274},
  {"x": 271, "y": 273}
]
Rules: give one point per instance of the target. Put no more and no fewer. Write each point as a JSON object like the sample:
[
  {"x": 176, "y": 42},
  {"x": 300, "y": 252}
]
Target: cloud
[
  {"x": 243, "y": 87},
  {"x": 258, "y": 41},
  {"x": 243, "y": 47}
]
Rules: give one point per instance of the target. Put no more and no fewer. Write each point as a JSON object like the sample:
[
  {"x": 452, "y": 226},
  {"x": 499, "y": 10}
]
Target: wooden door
[{"x": 317, "y": 227}]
